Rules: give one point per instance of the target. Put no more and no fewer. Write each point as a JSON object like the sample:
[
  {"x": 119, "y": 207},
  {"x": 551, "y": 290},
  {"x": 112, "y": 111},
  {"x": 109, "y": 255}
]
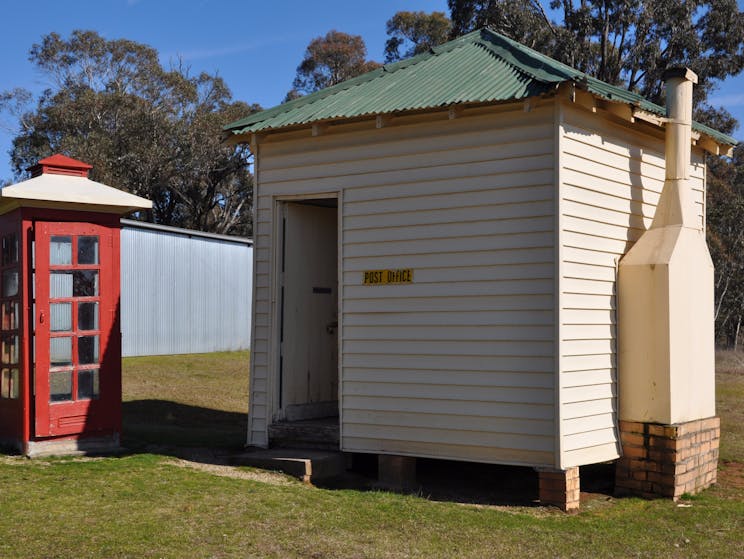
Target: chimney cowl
[
  {"x": 59, "y": 164},
  {"x": 680, "y": 72}
]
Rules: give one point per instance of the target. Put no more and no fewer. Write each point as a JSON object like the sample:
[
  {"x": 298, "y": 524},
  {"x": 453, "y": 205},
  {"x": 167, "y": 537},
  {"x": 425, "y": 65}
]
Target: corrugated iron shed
[
  {"x": 183, "y": 291},
  {"x": 480, "y": 67}
]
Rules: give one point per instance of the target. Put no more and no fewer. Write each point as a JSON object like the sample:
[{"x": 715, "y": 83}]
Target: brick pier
[{"x": 560, "y": 488}]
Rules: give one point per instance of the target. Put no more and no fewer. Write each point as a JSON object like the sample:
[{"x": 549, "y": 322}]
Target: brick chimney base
[{"x": 667, "y": 460}]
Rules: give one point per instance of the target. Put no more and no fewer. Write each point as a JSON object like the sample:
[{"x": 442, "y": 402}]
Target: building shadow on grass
[
  {"x": 450, "y": 481},
  {"x": 476, "y": 483},
  {"x": 212, "y": 436},
  {"x": 174, "y": 429}
]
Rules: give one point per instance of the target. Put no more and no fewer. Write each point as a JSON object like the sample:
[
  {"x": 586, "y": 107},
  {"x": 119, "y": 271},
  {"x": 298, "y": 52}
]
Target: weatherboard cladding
[
  {"x": 610, "y": 182},
  {"x": 459, "y": 364},
  {"x": 480, "y": 67}
]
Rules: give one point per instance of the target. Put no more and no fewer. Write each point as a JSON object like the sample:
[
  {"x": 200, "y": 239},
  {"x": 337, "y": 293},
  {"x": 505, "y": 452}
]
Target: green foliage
[
  {"x": 416, "y": 32},
  {"x": 145, "y": 129},
  {"x": 329, "y": 60}
]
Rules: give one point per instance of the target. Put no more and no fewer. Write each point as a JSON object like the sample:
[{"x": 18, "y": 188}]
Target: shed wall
[
  {"x": 183, "y": 294},
  {"x": 458, "y": 364},
  {"x": 611, "y": 178}
]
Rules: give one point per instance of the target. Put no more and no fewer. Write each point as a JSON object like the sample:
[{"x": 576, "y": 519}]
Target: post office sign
[{"x": 387, "y": 277}]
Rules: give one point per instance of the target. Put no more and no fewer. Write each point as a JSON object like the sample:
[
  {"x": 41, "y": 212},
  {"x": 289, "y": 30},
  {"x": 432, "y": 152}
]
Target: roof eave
[
  {"x": 245, "y": 134},
  {"x": 629, "y": 112}
]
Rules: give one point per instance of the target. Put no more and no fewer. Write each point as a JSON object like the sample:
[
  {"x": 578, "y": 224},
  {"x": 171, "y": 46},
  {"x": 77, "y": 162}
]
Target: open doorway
[{"x": 307, "y": 388}]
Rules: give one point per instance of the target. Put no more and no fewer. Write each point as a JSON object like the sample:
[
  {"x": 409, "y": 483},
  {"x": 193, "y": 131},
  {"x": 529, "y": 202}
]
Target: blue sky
[{"x": 254, "y": 45}]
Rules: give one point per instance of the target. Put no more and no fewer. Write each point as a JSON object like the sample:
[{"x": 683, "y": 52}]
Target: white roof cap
[{"x": 61, "y": 182}]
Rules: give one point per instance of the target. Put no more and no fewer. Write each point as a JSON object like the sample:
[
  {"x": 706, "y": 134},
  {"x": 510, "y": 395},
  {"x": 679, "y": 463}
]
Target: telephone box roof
[{"x": 61, "y": 182}]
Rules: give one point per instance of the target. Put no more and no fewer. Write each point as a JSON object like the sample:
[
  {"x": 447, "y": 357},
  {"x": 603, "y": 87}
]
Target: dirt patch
[
  {"x": 731, "y": 474},
  {"x": 233, "y": 472}
]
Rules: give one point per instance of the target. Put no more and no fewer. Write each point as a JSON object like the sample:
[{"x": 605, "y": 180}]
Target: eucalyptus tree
[
  {"x": 147, "y": 129},
  {"x": 412, "y": 33},
  {"x": 330, "y": 59}
]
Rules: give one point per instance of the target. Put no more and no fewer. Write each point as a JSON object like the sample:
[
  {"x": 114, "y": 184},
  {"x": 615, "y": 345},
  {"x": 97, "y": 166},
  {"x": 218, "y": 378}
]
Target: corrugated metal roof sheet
[{"x": 480, "y": 67}]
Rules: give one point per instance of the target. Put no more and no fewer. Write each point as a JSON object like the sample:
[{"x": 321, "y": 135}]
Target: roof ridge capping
[
  {"x": 529, "y": 61},
  {"x": 536, "y": 66}
]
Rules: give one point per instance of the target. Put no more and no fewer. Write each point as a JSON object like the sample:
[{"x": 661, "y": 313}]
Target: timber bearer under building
[{"x": 557, "y": 308}]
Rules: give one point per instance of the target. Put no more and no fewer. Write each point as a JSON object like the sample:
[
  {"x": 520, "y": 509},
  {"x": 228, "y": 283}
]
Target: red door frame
[
  {"x": 13, "y": 411},
  {"x": 78, "y": 417}
]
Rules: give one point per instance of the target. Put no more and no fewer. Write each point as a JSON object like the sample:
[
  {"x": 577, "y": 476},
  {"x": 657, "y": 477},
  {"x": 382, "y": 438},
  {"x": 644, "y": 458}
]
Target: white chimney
[
  {"x": 666, "y": 381},
  {"x": 676, "y": 206},
  {"x": 665, "y": 292}
]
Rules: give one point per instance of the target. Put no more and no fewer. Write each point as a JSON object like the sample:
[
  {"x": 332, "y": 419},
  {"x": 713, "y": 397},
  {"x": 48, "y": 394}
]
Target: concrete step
[{"x": 308, "y": 465}]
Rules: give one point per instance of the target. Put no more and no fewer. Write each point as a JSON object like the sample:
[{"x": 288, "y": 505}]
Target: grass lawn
[
  {"x": 150, "y": 504},
  {"x": 186, "y": 400}
]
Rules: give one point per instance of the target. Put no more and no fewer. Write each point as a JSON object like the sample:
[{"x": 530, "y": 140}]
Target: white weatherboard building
[{"x": 436, "y": 259}]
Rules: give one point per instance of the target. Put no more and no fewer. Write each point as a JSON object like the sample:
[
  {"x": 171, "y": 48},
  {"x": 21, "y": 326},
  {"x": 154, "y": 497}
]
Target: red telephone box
[{"x": 60, "y": 343}]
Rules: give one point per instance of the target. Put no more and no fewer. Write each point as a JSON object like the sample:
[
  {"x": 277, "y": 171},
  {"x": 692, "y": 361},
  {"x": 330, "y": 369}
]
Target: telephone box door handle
[{"x": 41, "y": 318}]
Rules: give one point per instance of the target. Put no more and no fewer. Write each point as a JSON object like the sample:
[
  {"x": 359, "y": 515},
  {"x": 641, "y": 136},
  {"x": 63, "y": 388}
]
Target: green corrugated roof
[{"x": 480, "y": 67}]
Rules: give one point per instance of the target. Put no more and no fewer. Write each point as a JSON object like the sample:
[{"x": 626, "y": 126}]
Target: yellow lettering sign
[{"x": 385, "y": 277}]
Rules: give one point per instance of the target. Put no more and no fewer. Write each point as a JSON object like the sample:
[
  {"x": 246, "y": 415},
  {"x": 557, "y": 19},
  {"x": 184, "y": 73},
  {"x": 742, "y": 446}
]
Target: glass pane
[
  {"x": 87, "y": 350},
  {"x": 14, "y": 388},
  {"x": 10, "y": 283},
  {"x": 87, "y": 316},
  {"x": 87, "y": 250},
  {"x": 9, "y": 320},
  {"x": 10, "y": 249},
  {"x": 85, "y": 283},
  {"x": 60, "y": 352},
  {"x": 5, "y": 384},
  {"x": 60, "y": 386},
  {"x": 61, "y": 319},
  {"x": 9, "y": 351},
  {"x": 60, "y": 251},
  {"x": 60, "y": 284},
  {"x": 9, "y": 384},
  {"x": 88, "y": 384}
]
